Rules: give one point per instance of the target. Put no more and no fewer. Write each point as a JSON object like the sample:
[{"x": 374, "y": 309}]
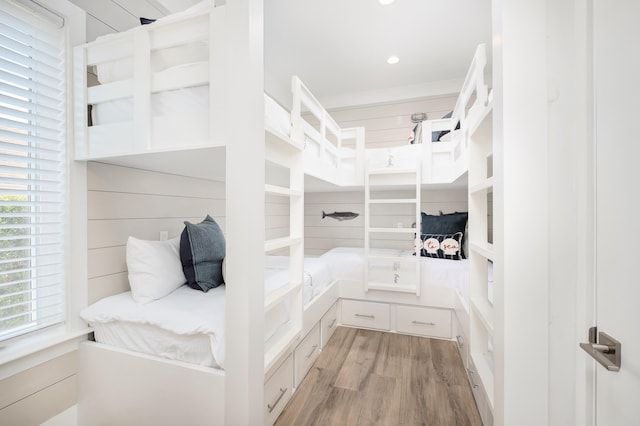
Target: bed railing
[
  {"x": 327, "y": 157},
  {"x": 138, "y": 70},
  {"x": 324, "y": 140}
]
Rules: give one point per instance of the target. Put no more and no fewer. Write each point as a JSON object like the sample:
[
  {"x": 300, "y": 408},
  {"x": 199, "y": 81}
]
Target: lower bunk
[
  {"x": 181, "y": 380},
  {"x": 162, "y": 363}
]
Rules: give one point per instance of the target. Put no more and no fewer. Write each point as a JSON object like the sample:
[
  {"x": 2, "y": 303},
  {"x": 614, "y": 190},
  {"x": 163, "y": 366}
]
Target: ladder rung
[
  {"x": 281, "y": 190},
  {"x": 391, "y": 171},
  {"x": 391, "y": 287},
  {"x": 393, "y": 258},
  {"x": 393, "y": 201},
  {"x": 278, "y": 243},
  {"x": 276, "y": 296},
  {"x": 392, "y": 230}
]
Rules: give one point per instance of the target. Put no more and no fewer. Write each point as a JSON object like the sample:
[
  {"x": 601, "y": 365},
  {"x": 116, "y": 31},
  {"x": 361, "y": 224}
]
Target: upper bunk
[{"x": 161, "y": 102}]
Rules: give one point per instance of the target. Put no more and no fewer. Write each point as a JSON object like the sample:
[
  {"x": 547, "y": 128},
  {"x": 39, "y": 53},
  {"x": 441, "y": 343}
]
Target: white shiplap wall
[
  {"x": 124, "y": 201},
  {"x": 324, "y": 234},
  {"x": 390, "y": 124}
]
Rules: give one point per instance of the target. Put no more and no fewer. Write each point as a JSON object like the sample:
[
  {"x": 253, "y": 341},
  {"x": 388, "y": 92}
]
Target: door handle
[{"x": 607, "y": 350}]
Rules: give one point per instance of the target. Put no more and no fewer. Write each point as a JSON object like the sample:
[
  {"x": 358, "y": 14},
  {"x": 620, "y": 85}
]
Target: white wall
[
  {"x": 324, "y": 234},
  {"x": 123, "y": 201}
]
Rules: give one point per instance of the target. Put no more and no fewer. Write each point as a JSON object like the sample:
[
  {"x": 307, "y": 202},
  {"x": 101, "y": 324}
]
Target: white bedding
[
  {"x": 188, "y": 325},
  {"x": 348, "y": 263}
]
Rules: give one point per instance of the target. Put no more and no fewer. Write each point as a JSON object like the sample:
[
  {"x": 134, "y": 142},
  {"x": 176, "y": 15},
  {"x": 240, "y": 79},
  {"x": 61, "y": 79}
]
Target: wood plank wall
[
  {"x": 324, "y": 234},
  {"x": 124, "y": 201},
  {"x": 39, "y": 393}
]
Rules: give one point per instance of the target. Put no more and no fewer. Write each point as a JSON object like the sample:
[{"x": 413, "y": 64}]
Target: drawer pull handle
[
  {"x": 471, "y": 374},
  {"x": 313, "y": 349},
  {"x": 460, "y": 343},
  {"x": 423, "y": 323},
  {"x": 282, "y": 392},
  {"x": 365, "y": 316},
  {"x": 333, "y": 323}
]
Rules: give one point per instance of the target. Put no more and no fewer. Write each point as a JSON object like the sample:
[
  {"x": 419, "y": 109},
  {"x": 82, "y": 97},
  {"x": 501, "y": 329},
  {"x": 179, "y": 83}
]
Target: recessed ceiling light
[
  {"x": 385, "y": 2},
  {"x": 393, "y": 60}
]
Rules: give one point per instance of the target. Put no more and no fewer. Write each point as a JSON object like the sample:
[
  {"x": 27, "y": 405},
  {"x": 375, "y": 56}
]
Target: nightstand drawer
[
  {"x": 328, "y": 325},
  {"x": 278, "y": 390},
  {"x": 424, "y": 321},
  {"x": 306, "y": 353},
  {"x": 365, "y": 314}
]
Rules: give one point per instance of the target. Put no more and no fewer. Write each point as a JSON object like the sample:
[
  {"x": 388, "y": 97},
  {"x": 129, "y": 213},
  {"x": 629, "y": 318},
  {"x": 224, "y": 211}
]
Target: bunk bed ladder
[
  {"x": 399, "y": 178},
  {"x": 286, "y": 154}
]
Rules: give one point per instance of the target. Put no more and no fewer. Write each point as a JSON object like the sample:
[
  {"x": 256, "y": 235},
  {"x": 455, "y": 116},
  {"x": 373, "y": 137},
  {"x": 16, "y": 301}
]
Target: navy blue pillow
[
  {"x": 444, "y": 224},
  {"x": 202, "y": 250},
  {"x": 146, "y": 21}
]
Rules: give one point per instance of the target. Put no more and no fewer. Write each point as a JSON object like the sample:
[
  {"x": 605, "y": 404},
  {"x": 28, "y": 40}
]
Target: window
[{"x": 33, "y": 163}]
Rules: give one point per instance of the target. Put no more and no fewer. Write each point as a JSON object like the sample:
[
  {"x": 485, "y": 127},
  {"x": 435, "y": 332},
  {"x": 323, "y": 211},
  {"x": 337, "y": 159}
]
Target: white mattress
[{"x": 348, "y": 263}]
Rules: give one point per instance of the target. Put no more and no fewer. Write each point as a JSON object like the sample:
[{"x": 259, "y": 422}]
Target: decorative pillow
[
  {"x": 202, "y": 250},
  {"x": 444, "y": 224},
  {"x": 146, "y": 21},
  {"x": 154, "y": 268},
  {"x": 437, "y": 136},
  {"x": 441, "y": 246}
]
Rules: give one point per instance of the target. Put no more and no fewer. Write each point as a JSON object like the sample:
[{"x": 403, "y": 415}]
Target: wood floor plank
[
  {"x": 359, "y": 363},
  {"x": 365, "y": 377},
  {"x": 379, "y": 407}
]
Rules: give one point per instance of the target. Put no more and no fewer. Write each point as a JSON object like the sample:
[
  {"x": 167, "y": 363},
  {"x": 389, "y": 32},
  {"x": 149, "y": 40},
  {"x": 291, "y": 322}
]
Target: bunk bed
[{"x": 159, "y": 102}]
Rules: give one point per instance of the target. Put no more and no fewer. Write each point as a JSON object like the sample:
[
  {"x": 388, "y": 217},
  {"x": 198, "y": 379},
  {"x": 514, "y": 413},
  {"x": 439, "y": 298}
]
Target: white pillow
[{"x": 154, "y": 268}]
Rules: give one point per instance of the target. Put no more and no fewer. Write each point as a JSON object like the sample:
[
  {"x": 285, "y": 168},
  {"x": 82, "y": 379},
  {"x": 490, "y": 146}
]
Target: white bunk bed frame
[{"x": 123, "y": 387}]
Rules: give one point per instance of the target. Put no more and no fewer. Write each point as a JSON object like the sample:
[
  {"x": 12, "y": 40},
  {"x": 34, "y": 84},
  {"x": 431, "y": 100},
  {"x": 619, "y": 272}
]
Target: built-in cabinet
[
  {"x": 406, "y": 319},
  {"x": 478, "y": 333}
]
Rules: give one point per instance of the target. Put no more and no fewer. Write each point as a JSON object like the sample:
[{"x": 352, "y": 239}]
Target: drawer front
[
  {"x": 365, "y": 314},
  {"x": 424, "y": 321},
  {"x": 462, "y": 343},
  {"x": 278, "y": 390},
  {"x": 306, "y": 353},
  {"x": 328, "y": 325}
]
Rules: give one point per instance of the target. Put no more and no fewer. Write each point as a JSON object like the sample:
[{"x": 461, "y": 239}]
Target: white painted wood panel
[
  {"x": 29, "y": 382},
  {"x": 324, "y": 234},
  {"x": 36, "y": 408}
]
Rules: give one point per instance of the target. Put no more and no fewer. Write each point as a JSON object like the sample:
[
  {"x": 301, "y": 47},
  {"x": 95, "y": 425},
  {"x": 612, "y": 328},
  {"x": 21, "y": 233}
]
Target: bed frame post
[{"x": 242, "y": 27}]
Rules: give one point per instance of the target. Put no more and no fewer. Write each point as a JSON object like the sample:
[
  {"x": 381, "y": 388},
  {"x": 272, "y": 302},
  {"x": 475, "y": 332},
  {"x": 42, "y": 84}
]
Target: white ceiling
[{"x": 339, "y": 47}]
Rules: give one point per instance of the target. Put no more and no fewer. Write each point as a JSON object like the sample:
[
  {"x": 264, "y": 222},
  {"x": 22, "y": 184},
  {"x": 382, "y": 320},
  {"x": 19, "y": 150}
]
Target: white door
[{"x": 616, "y": 52}]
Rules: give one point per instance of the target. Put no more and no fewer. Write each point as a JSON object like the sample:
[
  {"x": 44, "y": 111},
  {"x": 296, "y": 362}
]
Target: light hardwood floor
[{"x": 366, "y": 377}]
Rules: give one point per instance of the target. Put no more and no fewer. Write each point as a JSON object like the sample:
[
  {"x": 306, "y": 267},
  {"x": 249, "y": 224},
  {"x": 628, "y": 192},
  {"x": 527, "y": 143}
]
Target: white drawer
[
  {"x": 328, "y": 325},
  {"x": 306, "y": 353},
  {"x": 462, "y": 342},
  {"x": 365, "y": 314},
  {"x": 424, "y": 321},
  {"x": 278, "y": 390}
]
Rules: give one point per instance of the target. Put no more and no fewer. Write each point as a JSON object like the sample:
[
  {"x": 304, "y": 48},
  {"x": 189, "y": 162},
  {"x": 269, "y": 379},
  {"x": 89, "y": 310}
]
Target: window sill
[{"x": 29, "y": 351}]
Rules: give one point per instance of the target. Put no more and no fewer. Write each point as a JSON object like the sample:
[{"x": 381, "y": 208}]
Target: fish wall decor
[{"x": 340, "y": 215}]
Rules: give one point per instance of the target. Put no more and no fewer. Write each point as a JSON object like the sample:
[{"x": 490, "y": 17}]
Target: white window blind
[{"x": 32, "y": 171}]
